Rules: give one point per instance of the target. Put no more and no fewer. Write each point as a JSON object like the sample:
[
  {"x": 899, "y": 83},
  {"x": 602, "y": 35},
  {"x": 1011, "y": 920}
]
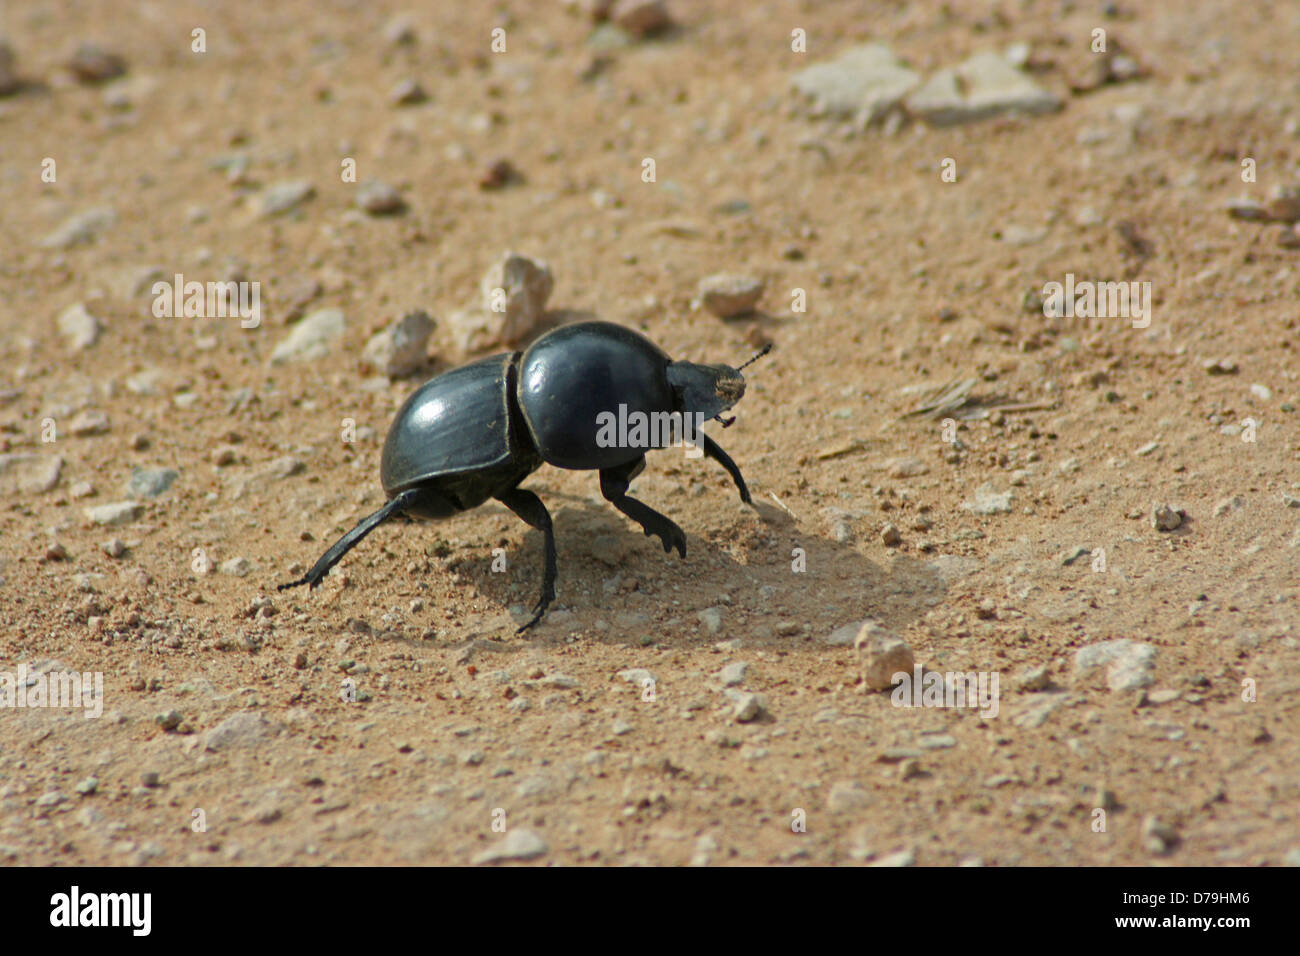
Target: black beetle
[{"x": 477, "y": 431}]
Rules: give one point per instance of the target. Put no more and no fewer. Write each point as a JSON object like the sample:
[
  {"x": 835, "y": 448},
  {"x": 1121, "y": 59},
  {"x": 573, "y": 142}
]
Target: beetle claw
[
  {"x": 539, "y": 611},
  {"x": 306, "y": 579}
]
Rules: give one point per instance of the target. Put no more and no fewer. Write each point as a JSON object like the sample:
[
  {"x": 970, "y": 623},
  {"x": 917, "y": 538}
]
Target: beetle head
[{"x": 708, "y": 389}]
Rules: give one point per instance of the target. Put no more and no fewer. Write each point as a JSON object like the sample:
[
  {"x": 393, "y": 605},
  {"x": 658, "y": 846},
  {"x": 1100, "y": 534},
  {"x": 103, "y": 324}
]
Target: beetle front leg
[
  {"x": 613, "y": 485},
  {"x": 530, "y": 509},
  {"x": 713, "y": 450}
]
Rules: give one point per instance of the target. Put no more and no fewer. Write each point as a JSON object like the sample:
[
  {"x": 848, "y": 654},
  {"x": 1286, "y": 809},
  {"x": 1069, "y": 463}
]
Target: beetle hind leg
[
  {"x": 395, "y": 506},
  {"x": 533, "y": 512},
  {"x": 613, "y": 485}
]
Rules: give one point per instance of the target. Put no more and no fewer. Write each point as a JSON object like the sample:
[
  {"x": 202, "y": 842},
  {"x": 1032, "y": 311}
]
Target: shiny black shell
[
  {"x": 456, "y": 423},
  {"x": 569, "y": 376}
]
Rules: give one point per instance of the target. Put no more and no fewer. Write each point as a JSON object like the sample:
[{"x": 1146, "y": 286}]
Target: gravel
[
  {"x": 402, "y": 348},
  {"x": 1166, "y": 517},
  {"x": 246, "y": 729},
  {"x": 988, "y": 501},
  {"x": 519, "y": 844},
  {"x": 641, "y": 18},
  {"x": 29, "y": 474},
  {"x": 92, "y": 64},
  {"x": 284, "y": 197},
  {"x": 150, "y": 482},
  {"x": 78, "y": 326},
  {"x": 983, "y": 86},
  {"x": 711, "y": 618},
  {"x": 380, "y": 199},
  {"x": 80, "y": 229},
  {"x": 9, "y": 81},
  {"x": 881, "y": 655},
  {"x": 748, "y": 706},
  {"x": 846, "y": 796},
  {"x": 727, "y": 295},
  {"x": 733, "y": 674},
  {"x": 407, "y": 93},
  {"x": 310, "y": 339},
  {"x": 864, "y": 82},
  {"x": 1129, "y": 664},
  {"x": 237, "y": 567},
  {"x": 117, "y": 513},
  {"x": 527, "y": 284}
]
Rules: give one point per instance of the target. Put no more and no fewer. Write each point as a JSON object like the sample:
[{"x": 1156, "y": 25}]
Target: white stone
[
  {"x": 310, "y": 338},
  {"x": 985, "y": 85},
  {"x": 882, "y": 655},
  {"x": 865, "y": 82}
]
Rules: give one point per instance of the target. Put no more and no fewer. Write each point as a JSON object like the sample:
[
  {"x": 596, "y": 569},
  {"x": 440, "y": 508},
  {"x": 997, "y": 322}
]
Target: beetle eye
[{"x": 731, "y": 390}]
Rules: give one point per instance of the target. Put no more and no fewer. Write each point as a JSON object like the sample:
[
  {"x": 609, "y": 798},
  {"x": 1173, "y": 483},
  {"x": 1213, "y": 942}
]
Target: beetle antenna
[
  {"x": 726, "y": 422},
  {"x": 758, "y": 355}
]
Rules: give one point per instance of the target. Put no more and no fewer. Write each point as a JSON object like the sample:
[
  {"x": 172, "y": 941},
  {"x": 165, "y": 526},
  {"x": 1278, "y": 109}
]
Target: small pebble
[
  {"x": 150, "y": 482},
  {"x": 881, "y": 656},
  {"x": 1166, "y": 517},
  {"x": 518, "y": 844},
  {"x": 407, "y": 93},
  {"x": 379, "y": 198},
  {"x": 118, "y": 513},
  {"x": 733, "y": 673},
  {"x": 1158, "y": 838},
  {"x": 1034, "y": 679},
  {"x": 711, "y": 618},
  {"x": 168, "y": 720},
  {"x": 727, "y": 296},
  {"x": 402, "y": 348},
  {"x": 9, "y": 80},
  {"x": 641, "y": 18},
  {"x": 748, "y": 706},
  {"x": 78, "y": 326},
  {"x": 238, "y": 566},
  {"x": 498, "y": 174},
  {"x": 280, "y": 198},
  {"x": 92, "y": 64}
]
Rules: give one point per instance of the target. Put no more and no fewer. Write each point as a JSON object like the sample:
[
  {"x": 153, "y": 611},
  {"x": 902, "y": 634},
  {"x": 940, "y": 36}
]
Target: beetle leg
[
  {"x": 613, "y": 485},
  {"x": 396, "y": 505},
  {"x": 713, "y": 450},
  {"x": 529, "y": 507}
]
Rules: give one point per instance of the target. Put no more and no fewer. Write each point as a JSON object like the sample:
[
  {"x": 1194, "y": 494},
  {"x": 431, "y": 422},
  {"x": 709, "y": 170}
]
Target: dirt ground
[{"x": 226, "y": 736}]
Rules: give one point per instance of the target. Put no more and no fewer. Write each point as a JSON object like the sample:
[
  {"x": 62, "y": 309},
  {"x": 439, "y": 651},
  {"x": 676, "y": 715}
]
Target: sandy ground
[{"x": 465, "y": 740}]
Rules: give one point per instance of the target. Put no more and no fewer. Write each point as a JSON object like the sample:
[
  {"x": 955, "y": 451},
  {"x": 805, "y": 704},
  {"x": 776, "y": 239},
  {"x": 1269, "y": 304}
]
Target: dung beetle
[{"x": 476, "y": 432}]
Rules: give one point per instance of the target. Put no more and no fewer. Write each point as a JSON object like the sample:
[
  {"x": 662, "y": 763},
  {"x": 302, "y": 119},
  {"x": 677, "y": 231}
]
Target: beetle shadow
[
  {"x": 766, "y": 322},
  {"x": 776, "y": 580}
]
